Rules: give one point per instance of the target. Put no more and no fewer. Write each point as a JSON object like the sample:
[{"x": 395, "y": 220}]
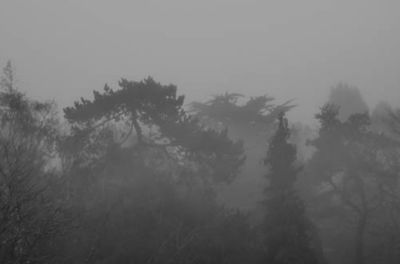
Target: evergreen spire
[{"x": 290, "y": 235}]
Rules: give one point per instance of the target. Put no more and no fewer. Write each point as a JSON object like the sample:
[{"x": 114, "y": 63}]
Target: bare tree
[{"x": 28, "y": 213}]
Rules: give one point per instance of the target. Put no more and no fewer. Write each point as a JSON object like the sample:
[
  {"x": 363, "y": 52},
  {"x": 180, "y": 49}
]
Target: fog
[
  {"x": 287, "y": 49},
  {"x": 200, "y": 132}
]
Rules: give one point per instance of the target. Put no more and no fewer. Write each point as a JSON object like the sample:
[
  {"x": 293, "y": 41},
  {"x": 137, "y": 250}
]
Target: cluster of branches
[
  {"x": 225, "y": 108},
  {"x": 29, "y": 212}
]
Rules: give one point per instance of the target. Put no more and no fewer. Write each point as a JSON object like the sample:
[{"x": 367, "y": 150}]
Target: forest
[{"x": 136, "y": 174}]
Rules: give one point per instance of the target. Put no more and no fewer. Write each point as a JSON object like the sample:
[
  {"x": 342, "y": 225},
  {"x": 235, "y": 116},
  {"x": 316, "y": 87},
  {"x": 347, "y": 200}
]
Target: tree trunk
[
  {"x": 138, "y": 130},
  {"x": 359, "y": 241}
]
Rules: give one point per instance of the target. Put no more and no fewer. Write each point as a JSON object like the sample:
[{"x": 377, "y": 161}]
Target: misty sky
[{"x": 63, "y": 49}]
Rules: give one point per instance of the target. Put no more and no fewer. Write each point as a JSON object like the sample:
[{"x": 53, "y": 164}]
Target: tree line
[{"x": 132, "y": 176}]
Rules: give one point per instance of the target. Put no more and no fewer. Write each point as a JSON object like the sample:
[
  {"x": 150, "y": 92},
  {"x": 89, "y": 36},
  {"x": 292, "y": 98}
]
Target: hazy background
[{"x": 288, "y": 49}]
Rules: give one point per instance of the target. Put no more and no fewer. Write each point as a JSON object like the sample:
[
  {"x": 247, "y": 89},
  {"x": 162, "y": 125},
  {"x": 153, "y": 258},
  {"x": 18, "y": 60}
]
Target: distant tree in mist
[
  {"x": 359, "y": 172},
  {"x": 289, "y": 233},
  {"x": 393, "y": 121},
  {"x": 349, "y": 99},
  {"x": 385, "y": 119},
  {"x": 250, "y": 120},
  {"x": 380, "y": 117}
]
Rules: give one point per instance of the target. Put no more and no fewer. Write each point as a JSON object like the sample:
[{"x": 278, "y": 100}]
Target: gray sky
[{"x": 63, "y": 49}]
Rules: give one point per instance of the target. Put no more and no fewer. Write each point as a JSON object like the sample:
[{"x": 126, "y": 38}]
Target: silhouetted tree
[
  {"x": 155, "y": 108},
  {"x": 290, "y": 235},
  {"x": 349, "y": 99},
  {"x": 142, "y": 173}
]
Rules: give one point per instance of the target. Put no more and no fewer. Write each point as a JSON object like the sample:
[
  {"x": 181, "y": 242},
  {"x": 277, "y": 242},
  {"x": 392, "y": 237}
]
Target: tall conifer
[{"x": 289, "y": 233}]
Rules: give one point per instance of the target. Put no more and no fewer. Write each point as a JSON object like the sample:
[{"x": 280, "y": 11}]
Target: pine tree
[{"x": 290, "y": 235}]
